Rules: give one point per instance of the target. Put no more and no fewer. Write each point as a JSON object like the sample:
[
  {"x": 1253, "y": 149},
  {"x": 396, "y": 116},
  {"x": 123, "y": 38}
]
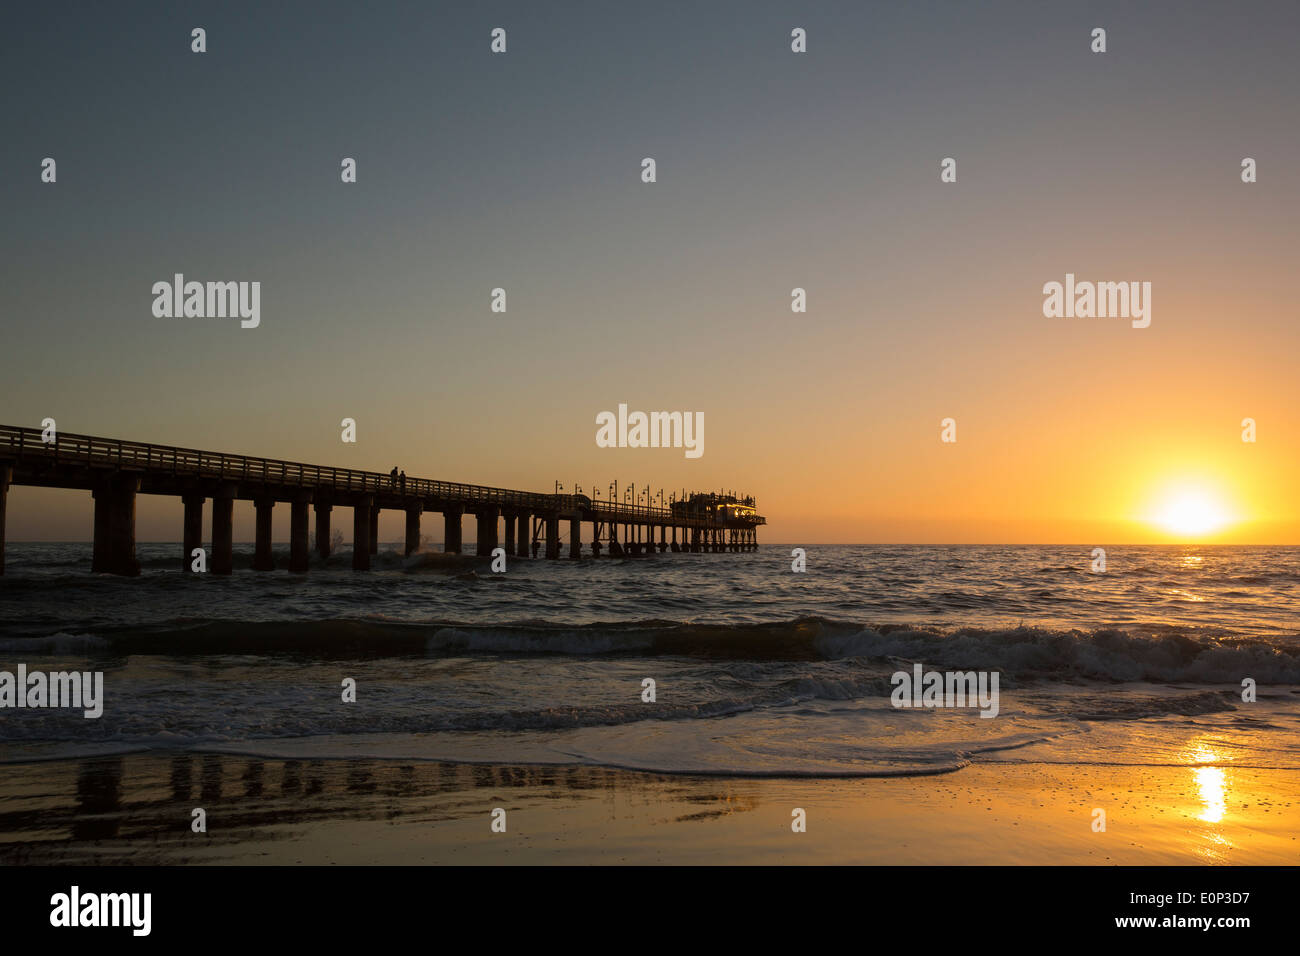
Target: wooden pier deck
[{"x": 115, "y": 471}]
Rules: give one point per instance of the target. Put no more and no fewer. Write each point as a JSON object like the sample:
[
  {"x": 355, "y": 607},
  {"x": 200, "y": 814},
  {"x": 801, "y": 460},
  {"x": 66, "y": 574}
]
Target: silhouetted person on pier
[
  {"x": 401, "y": 481},
  {"x": 392, "y": 477}
]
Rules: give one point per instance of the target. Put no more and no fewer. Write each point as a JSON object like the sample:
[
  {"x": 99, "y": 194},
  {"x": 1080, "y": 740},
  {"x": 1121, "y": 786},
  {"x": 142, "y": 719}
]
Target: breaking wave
[{"x": 1108, "y": 654}]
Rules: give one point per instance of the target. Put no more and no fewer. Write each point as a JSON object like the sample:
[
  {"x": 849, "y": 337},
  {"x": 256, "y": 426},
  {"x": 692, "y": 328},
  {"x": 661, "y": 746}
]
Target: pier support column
[
  {"x": 299, "y": 539},
  {"x": 451, "y": 516},
  {"x": 412, "y": 529},
  {"x": 663, "y": 542},
  {"x": 675, "y": 547},
  {"x": 361, "y": 534},
  {"x": 486, "y": 532},
  {"x": 262, "y": 560},
  {"x": 114, "y": 551},
  {"x": 323, "y": 530},
  {"x": 6, "y": 476},
  {"x": 120, "y": 500},
  {"x": 521, "y": 547},
  {"x": 552, "y": 536},
  {"x": 192, "y": 534},
  {"x": 509, "y": 543},
  {"x": 695, "y": 541},
  {"x": 374, "y": 529},
  {"x": 223, "y": 534},
  {"x": 575, "y": 538}
]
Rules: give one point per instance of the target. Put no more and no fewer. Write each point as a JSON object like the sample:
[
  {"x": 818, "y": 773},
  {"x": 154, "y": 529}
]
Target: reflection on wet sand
[
  {"x": 98, "y": 800},
  {"x": 138, "y": 808},
  {"x": 1212, "y": 792}
]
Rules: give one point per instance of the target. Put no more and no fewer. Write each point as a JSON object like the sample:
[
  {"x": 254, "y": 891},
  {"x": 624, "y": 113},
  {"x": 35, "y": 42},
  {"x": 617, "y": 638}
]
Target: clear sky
[{"x": 775, "y": 170}]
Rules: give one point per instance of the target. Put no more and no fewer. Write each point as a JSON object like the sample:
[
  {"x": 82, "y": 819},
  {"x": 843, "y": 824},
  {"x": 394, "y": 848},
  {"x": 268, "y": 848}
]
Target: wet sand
[{"x": 137, "y": 809}]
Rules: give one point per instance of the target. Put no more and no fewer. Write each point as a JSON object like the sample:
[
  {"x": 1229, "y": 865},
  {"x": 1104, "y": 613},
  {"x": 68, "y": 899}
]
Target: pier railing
[{"x": 19, "y": 442}]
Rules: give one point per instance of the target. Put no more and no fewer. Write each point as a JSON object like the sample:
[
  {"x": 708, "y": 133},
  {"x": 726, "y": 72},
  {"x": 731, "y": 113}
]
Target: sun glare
[{"x": 1191, "y": 512}]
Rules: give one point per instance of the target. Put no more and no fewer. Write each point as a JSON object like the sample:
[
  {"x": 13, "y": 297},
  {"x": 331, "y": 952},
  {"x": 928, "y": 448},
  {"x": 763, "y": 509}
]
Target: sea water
[{"x": 756, "y": 670}]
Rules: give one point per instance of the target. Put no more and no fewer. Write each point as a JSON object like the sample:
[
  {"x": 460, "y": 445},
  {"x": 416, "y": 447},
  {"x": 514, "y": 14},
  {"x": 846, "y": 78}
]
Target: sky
[{"x": 775, "y": 170}]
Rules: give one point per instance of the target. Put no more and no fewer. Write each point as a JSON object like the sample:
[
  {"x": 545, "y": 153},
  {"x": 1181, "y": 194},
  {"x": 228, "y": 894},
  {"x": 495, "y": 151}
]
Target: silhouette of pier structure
[{"x": 116, "y": 471}]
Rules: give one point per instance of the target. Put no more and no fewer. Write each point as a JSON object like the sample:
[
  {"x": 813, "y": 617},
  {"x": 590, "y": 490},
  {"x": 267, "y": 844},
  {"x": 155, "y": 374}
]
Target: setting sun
[{"x": 1191, "y": 511}]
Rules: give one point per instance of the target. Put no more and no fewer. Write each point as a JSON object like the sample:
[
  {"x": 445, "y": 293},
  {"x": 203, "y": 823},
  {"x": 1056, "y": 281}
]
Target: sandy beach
[{"x": 137, "y": 809}]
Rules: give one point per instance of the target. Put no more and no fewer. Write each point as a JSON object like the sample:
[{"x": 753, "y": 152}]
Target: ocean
[{"x": 756, "y": 670}]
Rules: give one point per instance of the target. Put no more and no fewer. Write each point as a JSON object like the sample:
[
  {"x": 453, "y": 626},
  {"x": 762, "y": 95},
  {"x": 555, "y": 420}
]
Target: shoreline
[{"x": 137, "y": 809}]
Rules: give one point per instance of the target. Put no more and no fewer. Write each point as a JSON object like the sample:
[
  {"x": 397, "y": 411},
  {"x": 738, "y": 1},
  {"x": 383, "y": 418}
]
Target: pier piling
[
  {"x": 412, "y": 529},
  {"x": 509, "y": 542},
  {"x": 223, "y": 534},
  {"x": 552, "y": 537},
  {"x": 323, "y": 529},
  {"x": 192, "y": 534},
  {"x": 299, "y": 538},
  {"x": 361, "y": 533},
  {"x": 486, "y": 532},
  {"x": 521, "y": 546},
  {"x": 451, "y": 542},
  {"x": 262, "y": 560},
  {"x": 6, "y": 474}
]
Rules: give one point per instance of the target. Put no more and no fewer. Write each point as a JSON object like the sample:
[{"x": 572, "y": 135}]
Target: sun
[{"x": 1190, "y": 512}]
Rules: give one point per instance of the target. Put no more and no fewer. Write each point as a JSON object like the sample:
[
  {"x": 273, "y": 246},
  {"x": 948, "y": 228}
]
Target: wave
[
  {"x": 1109, "y": 654},
  {"x": 61, "y": 644}
]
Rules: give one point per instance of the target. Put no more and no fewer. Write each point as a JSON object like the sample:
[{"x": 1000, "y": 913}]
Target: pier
[{"x": 523, "y": 523}]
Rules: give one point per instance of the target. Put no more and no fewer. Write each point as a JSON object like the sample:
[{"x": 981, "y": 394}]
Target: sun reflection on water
[{"x": 1211, "y": 784}]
